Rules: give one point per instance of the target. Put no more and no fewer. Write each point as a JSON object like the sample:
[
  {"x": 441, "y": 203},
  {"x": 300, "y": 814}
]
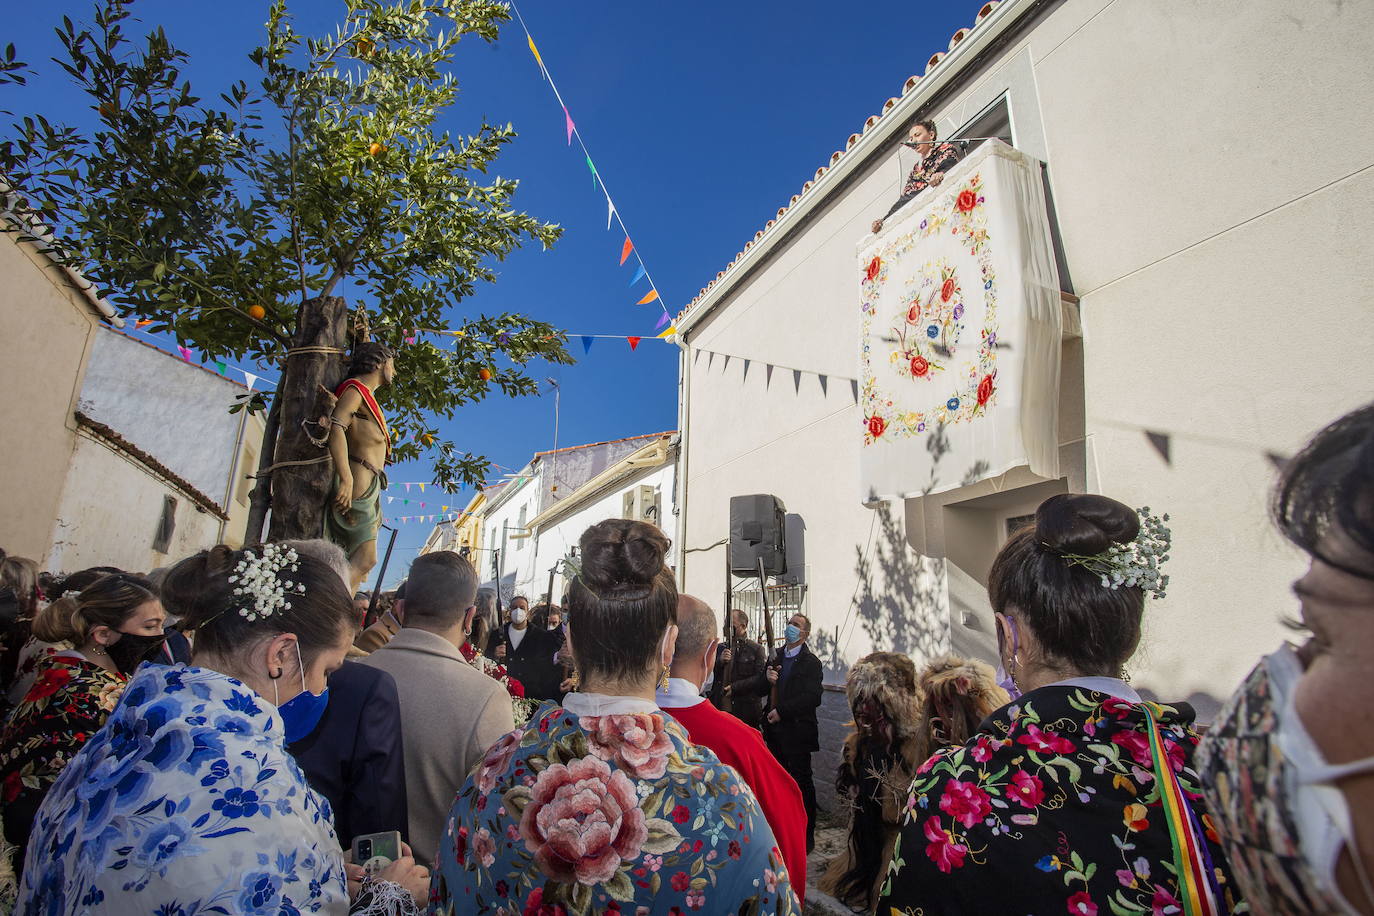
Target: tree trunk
[
  {"x": 260, "y": 500},
  {"x": 300, "y": 492}
]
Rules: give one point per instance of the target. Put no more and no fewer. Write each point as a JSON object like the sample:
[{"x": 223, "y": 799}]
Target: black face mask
[{"x": 133, "y": 649}]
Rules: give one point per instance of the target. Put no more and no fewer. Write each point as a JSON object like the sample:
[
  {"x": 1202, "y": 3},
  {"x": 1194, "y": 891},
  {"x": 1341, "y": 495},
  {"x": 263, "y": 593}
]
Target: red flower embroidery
[
  {"x": 947, "y": 290},
  {"x": 681, "y": 881},
  {"x": 1080, "y": 904},
  {"x": 942, "y": 850},
  {"x": 734, "y": 851},
  {"x": 681, "y": 815},
  {"x": 1027, "y": 789},
  {"x": 965, "y": 802},
  {"x": 967, "y": 201},
  {"x": 535, "y": 905},
  {"x": 14, "y": 784},
  {"x": 460, "y": 846},
  {"x": 53, "y": 680},
  {"x": 582, "y": 821},
  {"x": 1137, "y": 744},
  {"x": 876, "y": 425},
  {"x": 919, "y": 366},
  {"x": 637, "y": 742},
  {"x": 984, "y": 748},
  {"x": 874, "y": 266},
  {"x": 984, "y": 390},
  {"x": 1044, "y": 742},
  {"x": 1134, "y": 817}
]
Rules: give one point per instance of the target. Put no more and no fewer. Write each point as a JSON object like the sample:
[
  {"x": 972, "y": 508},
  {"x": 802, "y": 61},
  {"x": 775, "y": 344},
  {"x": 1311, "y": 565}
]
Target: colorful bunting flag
[
  {"x": 672, "y": 329},
  {"x": 662, "y": 321},
  {"x": 422, "y": 489},
  {"x": 220, "y": 367},
  {"x": 595, "y": 177},
  {"x": 634, "y": 342},
  {"x": 185, "y": 352},
  {"x": 535, "y": 51},
  {"x": 610, "y": 212},
  {"x": 639, "y": 274},
  {"x": 586, "y": 344},
  {"x": 650, "y": 296},
  {"x": 571, "y": 126},
  {"x": 625, "y": 249},
  {"x": 249, "y": 379},
  {"x": 143, "y": 322}
]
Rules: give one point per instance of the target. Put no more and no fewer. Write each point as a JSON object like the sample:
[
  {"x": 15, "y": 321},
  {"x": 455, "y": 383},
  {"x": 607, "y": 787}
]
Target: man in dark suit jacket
[
  {"x": 789, "y": 722},
  {"x": 355, "y": 758},
  {"x": 748, "y": 658},
  {"x": 528, "y": 652}
]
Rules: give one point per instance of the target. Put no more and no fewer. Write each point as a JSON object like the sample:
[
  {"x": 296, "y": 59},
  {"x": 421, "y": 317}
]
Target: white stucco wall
[
  {"x": 517, "y": 563},
  {"x": 1210, "y": 169},
  {"x": 110, "y": 512}
]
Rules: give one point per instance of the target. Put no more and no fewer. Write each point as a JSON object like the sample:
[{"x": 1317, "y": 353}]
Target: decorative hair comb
[{"x": 1135, "y": 564}]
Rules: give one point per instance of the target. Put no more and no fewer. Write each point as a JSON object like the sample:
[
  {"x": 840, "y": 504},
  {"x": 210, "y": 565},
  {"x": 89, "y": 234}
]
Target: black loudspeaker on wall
[{"x": 757, "y": 525}]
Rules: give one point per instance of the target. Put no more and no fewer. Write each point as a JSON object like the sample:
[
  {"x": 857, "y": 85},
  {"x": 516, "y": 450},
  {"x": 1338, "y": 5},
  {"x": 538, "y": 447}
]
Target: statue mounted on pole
[{"x": 360, "y": 444}]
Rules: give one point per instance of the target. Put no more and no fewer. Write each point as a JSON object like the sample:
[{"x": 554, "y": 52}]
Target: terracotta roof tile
[{"x": 872, "y": 121}]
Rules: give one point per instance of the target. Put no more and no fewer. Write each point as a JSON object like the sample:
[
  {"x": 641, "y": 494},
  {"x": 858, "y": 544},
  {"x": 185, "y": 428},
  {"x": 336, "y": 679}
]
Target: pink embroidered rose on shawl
[
  {"x": 942, "y": 848},
  {"x": 637, "y": 742},
  {"x": 965, "y": 802},
  {"x": 582, "y": 821},
  {"x": 498, "y": 758}
]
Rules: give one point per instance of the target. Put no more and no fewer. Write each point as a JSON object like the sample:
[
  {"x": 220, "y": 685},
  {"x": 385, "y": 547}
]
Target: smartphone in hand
[{"x": 375, "y": 851}]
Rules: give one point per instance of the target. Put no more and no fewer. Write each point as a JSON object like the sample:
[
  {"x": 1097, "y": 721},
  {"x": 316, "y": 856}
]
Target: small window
[
  {"x": 247, "y": 465},
  {"x": 520, "y": 543},
  {"x": 166, "y": 525},
  {"x": 993, "y": 121},
  {"x": 1016, "y": 522}
]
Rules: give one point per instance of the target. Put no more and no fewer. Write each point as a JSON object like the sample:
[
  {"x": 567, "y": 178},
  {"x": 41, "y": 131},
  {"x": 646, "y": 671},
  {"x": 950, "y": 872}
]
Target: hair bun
[
  {"x": 619, "y": 554},
  {"x": 1084, "y": 524}
]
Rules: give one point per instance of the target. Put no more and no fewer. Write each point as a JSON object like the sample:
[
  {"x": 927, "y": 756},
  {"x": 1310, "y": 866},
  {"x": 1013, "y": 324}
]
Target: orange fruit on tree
[
  {"x": 375, "y": 149},
  {"x": 257, "y": 312},
  {"x": 428, "y": 440},
  {"x": 108, "y": 109},
  {"x": 363, "y": 47},
  {"x": 484, "y": 374}
]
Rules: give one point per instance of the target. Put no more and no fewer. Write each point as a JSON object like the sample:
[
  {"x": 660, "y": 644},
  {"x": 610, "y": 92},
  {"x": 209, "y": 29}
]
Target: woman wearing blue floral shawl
[
  {"x": 603, "y": 805},
  {"x": 186, "y": 802}
]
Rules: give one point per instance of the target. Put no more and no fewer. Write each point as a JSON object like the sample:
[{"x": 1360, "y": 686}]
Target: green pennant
[
  {"x": 220, "y": 367},
  {"x": 595, "y": 177}
]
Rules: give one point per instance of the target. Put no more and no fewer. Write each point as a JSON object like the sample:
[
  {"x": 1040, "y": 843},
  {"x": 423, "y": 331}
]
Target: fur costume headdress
[
  {"x": 887, "y": 679},
  {"x": 960, "y": 693}
]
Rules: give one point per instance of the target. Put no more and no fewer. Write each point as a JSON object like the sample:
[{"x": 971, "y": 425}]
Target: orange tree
[{"x": 235, "y": 224}]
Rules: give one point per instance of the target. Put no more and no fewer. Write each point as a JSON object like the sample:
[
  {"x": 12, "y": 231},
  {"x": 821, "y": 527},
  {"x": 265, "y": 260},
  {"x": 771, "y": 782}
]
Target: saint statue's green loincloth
[{"x": 358, "y": 525}]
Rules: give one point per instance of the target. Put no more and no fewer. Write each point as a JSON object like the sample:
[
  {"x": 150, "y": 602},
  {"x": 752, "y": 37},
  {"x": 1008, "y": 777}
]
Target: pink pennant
[
  {"x": 185, "y": 352},
  {"x": 571, "y": 126}
]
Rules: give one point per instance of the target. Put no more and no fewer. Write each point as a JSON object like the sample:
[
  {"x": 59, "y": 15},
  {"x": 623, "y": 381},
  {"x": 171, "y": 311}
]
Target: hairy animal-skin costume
[{"x": 900, "y": 719}]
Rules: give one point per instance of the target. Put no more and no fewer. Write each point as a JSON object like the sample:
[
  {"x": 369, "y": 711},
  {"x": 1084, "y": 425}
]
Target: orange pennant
[
  {"x": 634, "y": 342},
  {"x": 626, "y": 249},
  {"x": 143, "y": 322},
  {"x": 649, "y": 297}
]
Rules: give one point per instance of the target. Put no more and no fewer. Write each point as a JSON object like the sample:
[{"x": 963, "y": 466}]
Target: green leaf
[{"x": 663, "y": 836}]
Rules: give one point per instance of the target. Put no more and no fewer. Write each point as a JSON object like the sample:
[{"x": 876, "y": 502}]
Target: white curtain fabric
[{"x": 959, "y": 360}]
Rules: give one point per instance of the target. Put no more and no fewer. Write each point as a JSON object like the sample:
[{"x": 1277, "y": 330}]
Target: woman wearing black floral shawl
[{"x": 1055, "y": 805}]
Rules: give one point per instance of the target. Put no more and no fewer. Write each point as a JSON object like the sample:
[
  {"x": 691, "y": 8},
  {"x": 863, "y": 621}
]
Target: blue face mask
[
  {"x": 301, "y": 713},
  {"x": 793, "y": 633}
]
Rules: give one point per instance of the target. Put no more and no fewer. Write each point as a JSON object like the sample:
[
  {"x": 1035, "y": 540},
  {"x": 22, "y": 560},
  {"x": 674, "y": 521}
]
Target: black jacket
[
  {"x": 798, "y": 697},
  {"x": 532, "y": 664},
  {"x": 354, "y": 757},
  {"x": 745, "y": 704}
]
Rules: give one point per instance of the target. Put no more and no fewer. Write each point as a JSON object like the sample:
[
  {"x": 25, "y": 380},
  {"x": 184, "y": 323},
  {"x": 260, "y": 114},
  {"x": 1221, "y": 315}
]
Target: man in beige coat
[{"x": 450, "y": 712}]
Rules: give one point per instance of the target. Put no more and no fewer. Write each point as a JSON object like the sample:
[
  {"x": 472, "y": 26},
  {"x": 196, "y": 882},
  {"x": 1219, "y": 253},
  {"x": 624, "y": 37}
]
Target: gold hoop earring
[
  {"x": 663, "y": 680},
  {"x": 574, "y": 680}
]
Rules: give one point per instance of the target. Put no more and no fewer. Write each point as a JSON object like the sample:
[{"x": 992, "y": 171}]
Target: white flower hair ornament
[
  {"x": 261, "y": 579},
  {"x": 1135, "y": 564}
]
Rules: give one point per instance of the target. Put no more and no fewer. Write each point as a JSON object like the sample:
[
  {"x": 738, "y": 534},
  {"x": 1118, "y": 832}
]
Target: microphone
[{"x": 963, "y": 140}]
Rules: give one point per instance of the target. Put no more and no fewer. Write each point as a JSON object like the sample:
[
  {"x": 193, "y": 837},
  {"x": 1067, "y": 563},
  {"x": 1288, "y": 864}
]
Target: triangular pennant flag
[
  {"x": 408, "y": 488},
  {"x": 650, "y": 296},
  {"x": 535, "y": 51},
  {"x": 391, "y": 499},
  {"x": 767, "y": 374},
  {"x": 571, "y": 126},
  {"x": 185, "y": 352},
  {"x": 710, "y": 359},
  {"x": 634, "y": 342},
  {"x": 854, "y": 389},
  {"x": 220, "y": 367},
  {"x": 422, "y": 505},
  {"x": 625, "y": 249},
  {"x": 422, "y": 488},
  {"x": 405, "y": 502},
  {"x": 668, "y": 332},
  {"x": 796, "y": 380},
  {"x": 610, "y": 212},
  {"x": 595, "y": 177},
  {"x": 445, "y": 509},
  {"x": 725, "y": 365},
  {"x": 825, "y": 384},
  {"x": 662, "y": 321},
  {"x": 586, "y": 344},
  {"x": 639, "y": 274},
  {"x": 249, "y": 379},
  {"x": 746, "y": 370},
  {"x": 143, "y": 322}
]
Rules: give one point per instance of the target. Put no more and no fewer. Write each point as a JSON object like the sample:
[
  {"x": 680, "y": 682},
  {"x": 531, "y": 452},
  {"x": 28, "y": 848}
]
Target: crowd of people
[{"x": 210, "y": 737}]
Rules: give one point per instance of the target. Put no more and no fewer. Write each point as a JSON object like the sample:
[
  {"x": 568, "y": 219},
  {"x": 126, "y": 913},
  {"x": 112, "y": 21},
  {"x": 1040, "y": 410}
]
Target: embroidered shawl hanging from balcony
[{"x": 961, "y": 333}]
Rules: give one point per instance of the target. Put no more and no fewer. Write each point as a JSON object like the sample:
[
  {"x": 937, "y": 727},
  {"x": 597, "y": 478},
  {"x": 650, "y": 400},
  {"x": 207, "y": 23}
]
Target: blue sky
[{"x": 703, "y": 118}]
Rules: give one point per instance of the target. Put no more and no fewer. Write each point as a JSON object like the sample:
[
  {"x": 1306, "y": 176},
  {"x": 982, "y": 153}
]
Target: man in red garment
[{"x": 735, "y": 743}]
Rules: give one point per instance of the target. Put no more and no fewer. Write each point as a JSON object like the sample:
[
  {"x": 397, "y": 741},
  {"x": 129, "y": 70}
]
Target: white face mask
[
  {"x": 518, "y": 615},
  {"x": 1318, "y": 805}
]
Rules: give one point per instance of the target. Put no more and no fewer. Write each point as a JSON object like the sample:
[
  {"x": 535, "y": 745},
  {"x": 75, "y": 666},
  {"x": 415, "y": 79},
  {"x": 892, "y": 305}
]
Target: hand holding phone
[{"x": 375, "y": 851}]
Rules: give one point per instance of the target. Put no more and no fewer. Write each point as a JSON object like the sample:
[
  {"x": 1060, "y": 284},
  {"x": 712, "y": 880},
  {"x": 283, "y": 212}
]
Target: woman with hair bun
[
  {"x": 187, "y": 800},
  {"x": 110, "y": 627},
  {"x": 603, "y": 804},
  {"x": 1078, "y": 796}
]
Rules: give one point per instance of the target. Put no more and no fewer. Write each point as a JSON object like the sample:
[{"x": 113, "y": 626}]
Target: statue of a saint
[{"x": 360, "y": 444}]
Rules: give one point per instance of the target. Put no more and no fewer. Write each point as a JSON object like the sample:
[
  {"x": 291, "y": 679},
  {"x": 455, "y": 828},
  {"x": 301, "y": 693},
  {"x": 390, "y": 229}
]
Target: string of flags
[
  {"x": 627, "y": 248},
  {"x": 251, "y": 379}
]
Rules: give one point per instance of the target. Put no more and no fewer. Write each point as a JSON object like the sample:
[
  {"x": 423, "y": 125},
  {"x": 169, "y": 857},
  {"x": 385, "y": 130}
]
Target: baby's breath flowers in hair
[
  {"x": 1136, "y": 564},
  {"x": 264, "y": 582}
]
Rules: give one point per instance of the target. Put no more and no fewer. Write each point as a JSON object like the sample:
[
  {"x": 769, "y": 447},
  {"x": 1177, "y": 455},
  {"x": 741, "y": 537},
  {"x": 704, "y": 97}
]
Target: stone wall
[{"x": 833, "y": 718}]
